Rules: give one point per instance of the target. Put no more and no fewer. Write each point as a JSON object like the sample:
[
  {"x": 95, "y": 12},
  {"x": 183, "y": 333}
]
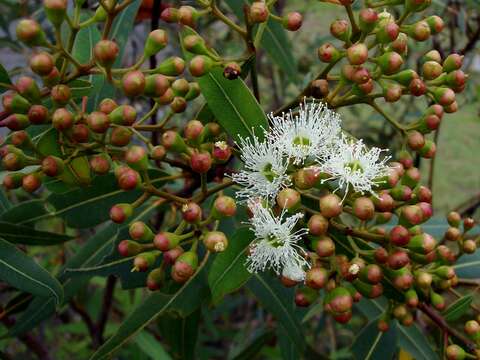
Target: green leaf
[
  {"x": 458, "y": 308},
  {"x": 23, "y": 212},
  {"x": 80, "y": 87},
  {"x": 287, "y": 348},
  {"x": 187, "y": 298},
  {"x": 468, "y": 266},
  {"x": 232, "y": 103},
  {"x": 5, "y": 203},
  {"x": 23, "y": 273},
  {"x": 4, "y": 79},
  {"x": 151, "y": 346},
  {"x": 254, "y": 346},
  {"x": 91, "y": 253},
  {"x": 181, "y": 334},
  {"x": 19, "y": 234},
  {"x": 409, "y": 338},
  {"x": 228, "y": 272},
  {"x": 372, "y": 344},
  {"x": 278, "y": 300},
  {"x": 88, "y": 206}
]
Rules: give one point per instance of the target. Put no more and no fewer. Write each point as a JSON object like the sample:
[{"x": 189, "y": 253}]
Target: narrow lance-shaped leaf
[
  {"x": 372, "y": 344},
  {"x": 228, "y": 272},
  {"x": 278, "y": 300},
  {"x": 22, "y": 272},
  {"x": 232, "y": 103},
  {"x": 185, "y": 300}
]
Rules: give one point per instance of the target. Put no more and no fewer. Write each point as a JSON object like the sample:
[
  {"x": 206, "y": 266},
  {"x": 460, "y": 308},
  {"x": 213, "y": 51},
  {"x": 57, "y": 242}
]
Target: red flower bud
[
  {"x": 328, "y": 53},
  {"x": 330, "y": 206},
  {"x": 258, "y": 12},
  {"x": 200, "y": 162},
  {"x": 398, "y": 259},
  {"x": 215, "y": 241},
  {"x": 363, "y": 208},
  {"x": 387, "y": 32},
  {"x": 120, "y": 212},
  {"x": 178, "y": 104},
  {"x": 100, "y": 164},
  {"x": 415, "y": 140},
  {"x": 325, "y": 246},
  {"x": 98, "y": 122},
  {"x": 292, "y": 21},
  {"x": 62, "y": 119},
  {"x": 316, "y": 278},
  {"x": 224, "y": 206},
  {"x": 30, "y": 32},
  {"x": 187, "y": 15},
  {"x": 390, "y": 62},
  {"x": 191, "y": 212},
  {"x": 155, "y": 42},
  {"x": 317, "y": 225},
  {"x": 42, "y": 63},
  {"x": 357, "y": 54},
  {"x": 169, "y": 15},
  {"x": 340, "y": 29},
  {"x": 106, "y": 52},
  {"x": 31, "y": 182},
  {"x": 133, "y": 83},
  {"x": 367, "y": 19},
  {"x": 452, "y": 62},
  {"x": 417, "y": 87},
  {"x": 399, "y": 236},
  {"x": 52, "y": 165},
  {"x": 288, "y": 199}
]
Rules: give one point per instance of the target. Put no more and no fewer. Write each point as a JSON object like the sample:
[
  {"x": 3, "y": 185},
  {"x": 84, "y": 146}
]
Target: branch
[
  {"x": 106, "y": 306},
  {"x": 442, "y": 324}
]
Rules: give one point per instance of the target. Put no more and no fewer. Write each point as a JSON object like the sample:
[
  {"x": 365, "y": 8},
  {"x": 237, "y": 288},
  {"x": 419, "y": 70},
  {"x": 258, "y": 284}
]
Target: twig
[{"x": 106, "y": 306}]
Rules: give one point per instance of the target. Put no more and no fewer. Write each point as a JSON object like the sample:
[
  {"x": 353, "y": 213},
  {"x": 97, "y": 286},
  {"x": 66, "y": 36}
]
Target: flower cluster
[{"x": 310, "y": 140}]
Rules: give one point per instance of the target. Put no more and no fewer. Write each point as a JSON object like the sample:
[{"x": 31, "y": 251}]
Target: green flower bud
[
  {"x": 137, "y": 158},
  {"x": 123, "y": 115},
  {"x": 56, "y": 10},
  {"x": 121, "y": 212},
  {"x": 156, "y": 85},
  {"x": 156, "y": 41},
  {"x": 140, "y": 232},
  {"x": 171, "y": 66},
  {"x": 29, "y": 32}
]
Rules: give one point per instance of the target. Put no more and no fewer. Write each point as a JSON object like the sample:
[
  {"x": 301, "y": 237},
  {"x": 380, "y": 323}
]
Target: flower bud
[
  {"x": 180, "y": 87},
  {"x": 417, "y": 87},
  {"x": 371, "y": 274},
  {"x": 317, "y": 225},
  {"x": 387, "y": 32},
  {"x": 155, "y": 42},
  {"x": 137, "y": 158},
  {"x": 428, "y": 150},
  {"x": 120, "y": 136},
  {"x": 30, "y": 32},
  {"x": 98, "y": 122},
  {"x": 169, "y": 15},
  {"x": 340, "y": 29},
  {"x": 106, "y": 52},
  {"x": 328, "y": 53},
  {"x": 469, "y": 246},
  {"x": 221, "y": 152},
  {"x": 431, "y": 70},
  {"x": 144, "y": 261},
  {"x": 419, "y": 31},
  {"x": 367, "y": 18},
  {"x": 123, "y": 115},
  {"x": 56, "y": 10},
  {"x": 133, "y": 83},
  {"x": 404, "y": 77},
  {"x": 139, "y": 231},
  {"x": 357, "y": 54},
  {"x": 173, "y": 141},
  {"x": 129, "y": 179},
  {"x": 401, "y": 193},
  {"x": 292, "y": 21},
  {"x": 305, "y": 296},
  {"x": 171, "y": 66},
  {"x": 381, "y": 255},
  {"x": 191, "y": 212},
  {"x": 13, "y": 180},
  {"x": 316, "y": 278},
  {"x": 325, "y": 247},
  {"x": 455, "y": 352},
  {"x": 156, "y": 85},
  {"x": 390, "y": 62},
  {"x": 398, "y": 259},
  {"x": 442, "y": 95},
  {"x": 196, "y": 45},
  {"x": 178, "y": 104},
  {"x": 411, "y": 214},
  {"x": 422, "y": 244},
  {"x": 411, "y": 177},
  {"x": 340, "y": 300},
  {"x": 330, "y": 206},
  {"x": 399, "y": 236},
  {"x": 155, "y": 279},
  {"x": 319, "y": 88},
  {"x": 80, "y": 133},
  {"x": 16, "y": 122},
  {"x": 100, "y": 164},
  {"x": 31, "y": 182},
  {"x": 107, "y": 105},
  {"x": 289, "y": 199},
  {"x": 454, "y": 218},
  {"x": 166, "y": 98},
  {"x": 120, "y": 212},
  {"x": 215, "y": 241},
  {"x": 258, "y": 12},
  {"x": 384, "y": 202},
  {"x": 28, "y": 88},
  {"x": 361, "y": 75},
  {"x": 453, "y": 107},
  {"x": 392, "y": 92},
  {"x": 127, "y": 248},
  {"x": 200, "y": 65},
  {"x": 62, "y": 119},
  {"x": 52, "y": 165},
  {"x": 52, "y": 79},
  {"x": 224, "y": 206},
  {"x": 165, "y": 241},
  {"x": 42, "y": 63},
  {"x": 172, "y": 255},
  {"x": 452, "y": 62},
  {"x": 402, "y": 278},
  {"x": 468, "y": 223},
  {"x": 415, "y": 140},
  {"x": 400, "y": 45},
  {"x": 200, "y": 162},
  {"x": 187, "y": 15},
  {"x": 184, "y": 266}
]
